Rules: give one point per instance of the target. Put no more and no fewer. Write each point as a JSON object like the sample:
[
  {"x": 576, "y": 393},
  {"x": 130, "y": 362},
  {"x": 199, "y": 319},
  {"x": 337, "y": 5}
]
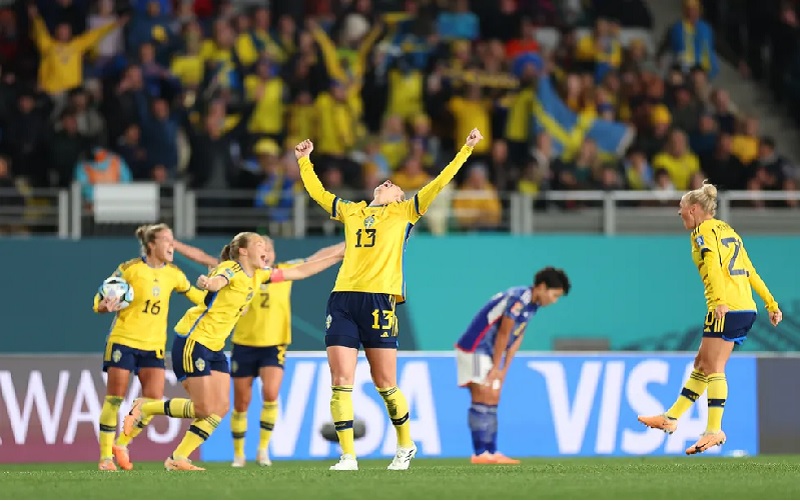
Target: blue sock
[
  {"x": 479, "y": 425},
  {"x": 491, "y": 432}
]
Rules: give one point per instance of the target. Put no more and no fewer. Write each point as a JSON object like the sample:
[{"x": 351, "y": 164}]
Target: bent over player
[
  {"x": 484, "y": 353},
  {"x": 729, "y": 279}
]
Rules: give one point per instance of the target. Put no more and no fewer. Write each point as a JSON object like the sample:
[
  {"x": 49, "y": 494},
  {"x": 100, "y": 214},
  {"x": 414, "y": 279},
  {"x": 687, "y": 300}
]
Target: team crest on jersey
[
  {"x": 249, "y": 296},
  {"x": 234, "y": 366},
  {"x": 328, "y": 321},
  {"x": 200, "y": 364},
  {"x": 156, "y": 290},
  {"x": 700, "y": 241},
  {"x": 116, "y": 356},
  {"x": 228, "y": 273},
  {"x": 369, "y": 221}
]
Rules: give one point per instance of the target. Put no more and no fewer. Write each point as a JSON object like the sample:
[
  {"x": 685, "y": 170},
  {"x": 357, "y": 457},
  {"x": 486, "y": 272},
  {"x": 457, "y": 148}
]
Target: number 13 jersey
[
  {"x": 728, "y": 275},
  {"x": 375, "y": 239}
]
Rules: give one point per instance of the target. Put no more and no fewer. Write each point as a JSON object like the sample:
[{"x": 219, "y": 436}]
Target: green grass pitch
[{"x": 762, "y": 477}]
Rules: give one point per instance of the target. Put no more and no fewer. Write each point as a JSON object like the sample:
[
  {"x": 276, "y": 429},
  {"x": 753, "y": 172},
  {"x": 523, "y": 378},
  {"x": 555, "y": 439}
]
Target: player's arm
[
  {"x": 307, "y": 269},
  {"x": 510, "y": 355},
  {"x": 332, "y": 250},
  {"x": 192, "y": 293},
  {"x": 423, "y": 199},
  {"x": 708, "y": 243},
  {"x": 195, "y": 254},
  {"x": 500, "y": 343},
  {"x": 758, "y": 285},
  {"x": 220, "y": 278},
  {"x": 313, "y": 185}
]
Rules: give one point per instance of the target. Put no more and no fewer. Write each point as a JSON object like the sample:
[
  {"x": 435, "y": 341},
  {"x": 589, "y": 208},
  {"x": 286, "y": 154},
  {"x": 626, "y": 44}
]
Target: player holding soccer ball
[
  {"x": 484, "y": 353},
  {"x": 138, "y": 334}
]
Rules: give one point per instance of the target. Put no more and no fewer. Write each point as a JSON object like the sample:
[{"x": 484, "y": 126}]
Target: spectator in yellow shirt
[
  {"x": 472, "y": 111},
  {"x": 476, "y": 205},
  {"x": 61, "y": 66},
  {"x": 745, "y": 144},
  {"x": 680, "y": 163},
  {"x": 411, "y": 177}
]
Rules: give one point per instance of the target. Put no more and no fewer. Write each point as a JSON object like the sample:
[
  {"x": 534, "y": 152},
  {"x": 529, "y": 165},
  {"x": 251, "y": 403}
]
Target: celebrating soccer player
[
  {"x": 728, "y": 278},
  {"x": 138, "y": 335},
  {"x": 361, "y": 308},
  {"x": 198, "y": 359},
  {"x": 259, "y": 346},
  {"x": 485, "y": 351}
]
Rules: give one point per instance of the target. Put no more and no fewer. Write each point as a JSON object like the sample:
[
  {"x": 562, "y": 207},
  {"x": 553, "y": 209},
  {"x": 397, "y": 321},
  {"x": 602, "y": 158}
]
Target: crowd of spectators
[{"x": 217, "y": 93}]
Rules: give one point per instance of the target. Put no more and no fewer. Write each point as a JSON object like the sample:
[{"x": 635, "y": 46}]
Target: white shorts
[{"x": 472, "y": 367}]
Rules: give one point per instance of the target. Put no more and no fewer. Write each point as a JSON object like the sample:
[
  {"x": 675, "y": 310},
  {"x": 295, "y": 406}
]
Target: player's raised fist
[
  {"x": 303, "y": 149},
  {"x": 474, "y": 138}
]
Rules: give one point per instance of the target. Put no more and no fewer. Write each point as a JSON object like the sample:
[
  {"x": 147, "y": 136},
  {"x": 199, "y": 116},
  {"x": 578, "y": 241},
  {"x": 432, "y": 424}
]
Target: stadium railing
[
  {"x": 191, "y": 213},
  {"x": 39, "y": 211}
]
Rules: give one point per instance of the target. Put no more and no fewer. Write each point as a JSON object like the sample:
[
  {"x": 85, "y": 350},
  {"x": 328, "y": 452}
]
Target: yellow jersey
[
  {"x": 143, "y": 324},
  {"x": 212, "y": 322},
  {"x": 728, "y": 275},
  {"x": 268, "y": 319},
  {"x": 376, "y": 236}
]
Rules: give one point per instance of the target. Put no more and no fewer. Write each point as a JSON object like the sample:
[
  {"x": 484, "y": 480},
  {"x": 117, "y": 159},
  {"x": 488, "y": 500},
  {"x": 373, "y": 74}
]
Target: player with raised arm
[
  {"x": 361, "y": 307},
  {"x": 138, "y": 336},
  {"x": 729, "y": 278},
  {"x": 198, "y": 359},
  {"x": 485, "y": 351},
  {"x": 260, "y": 340}
]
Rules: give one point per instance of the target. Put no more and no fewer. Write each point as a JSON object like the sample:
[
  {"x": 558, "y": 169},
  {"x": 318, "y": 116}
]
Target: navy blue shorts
[
  {"x": 365, "y": 319},
  {"x": 192, "y": 359},
  {"x": 131, "y": 359},
  {"x": 247, "y": 360},
  {"x": 734, "y": 326}
]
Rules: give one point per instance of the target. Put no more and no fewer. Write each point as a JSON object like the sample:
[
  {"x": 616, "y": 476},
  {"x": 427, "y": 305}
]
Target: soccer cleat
[
  {"x": 122, "y": 457},
  {"x": 483, "y": 458},
  {"x": 134, "y": 417},
  {"x": 706, "y": 441},
  {"x": 500, "y": 458},
  {"x": 180, "y": 464},
  {"x": 402, "y": 459},
  {"x": 107, "y": 464},
  {"x": 262, "y": 458},
  {"x": 238, "y": 462},
  {"x": 346, "y": 463},
  {"x": 660, "y": 422}
]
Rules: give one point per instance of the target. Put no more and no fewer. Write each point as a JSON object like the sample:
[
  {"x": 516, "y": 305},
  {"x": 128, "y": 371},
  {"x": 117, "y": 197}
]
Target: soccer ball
[{"x": 119, "y": 288}]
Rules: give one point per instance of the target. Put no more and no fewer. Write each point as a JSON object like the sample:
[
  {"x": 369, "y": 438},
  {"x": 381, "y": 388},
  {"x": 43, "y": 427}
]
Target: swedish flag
[{"x": 568, "y": 129}]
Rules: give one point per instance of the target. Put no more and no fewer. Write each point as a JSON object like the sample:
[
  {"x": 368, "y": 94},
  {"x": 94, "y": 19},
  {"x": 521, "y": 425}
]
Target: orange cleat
[
  {"x": 134, "y": 417},
  {"x": 181, "y": 464},
  {"x": 706, "y": 441},
  {"x": 660, "y": 422},
  {"x": 484, "y": 458},
  {"x": 500, "y": 458},
  {"x": 107, "y": 464},
  {"x": 122, "y": 457}
]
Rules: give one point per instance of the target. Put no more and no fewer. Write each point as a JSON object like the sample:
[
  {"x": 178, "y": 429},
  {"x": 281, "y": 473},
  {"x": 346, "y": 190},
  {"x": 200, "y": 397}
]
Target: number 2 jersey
[
  {"x": 728, "y": 275},
  {"x": 268, "y": 319},
  {"x": 515, "y": 303},
  {"x": 211, "y": 322},
  {"x": 143, "y": 324}
]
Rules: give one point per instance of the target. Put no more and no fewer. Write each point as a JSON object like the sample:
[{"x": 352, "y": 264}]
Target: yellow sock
[
  {"x": 108, "y": 425},
  {"x": 397, "y": 406},
  {"x": 717, "y": 395},
  {"x": 175, "y": 407},
  {"x": 197, "y": 433},
  {"x": 342, "y": 413},
  {"x": 238, "y": 429},
  {"x": 694, "y": 387},
  {"x": 269, "y": 413}
]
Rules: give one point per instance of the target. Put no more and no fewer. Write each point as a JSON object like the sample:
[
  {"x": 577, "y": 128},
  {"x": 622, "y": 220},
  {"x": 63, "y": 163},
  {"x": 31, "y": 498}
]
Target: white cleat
[
  {"x": 238, "y": 462},
  {"x": 403, "y": 458},
  {"x": 263, "y": 458},
  {"x": 346, "y": 463}
]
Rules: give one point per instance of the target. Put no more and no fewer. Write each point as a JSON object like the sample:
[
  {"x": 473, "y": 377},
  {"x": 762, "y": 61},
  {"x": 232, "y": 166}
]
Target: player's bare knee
[
  {"x": 342, "y": 379},
  {"x": 269, "y": 395},
  {"x": 241, "y": 404},
  {"x": 223, "y": 408},
  {"x": 203, "y": 409}
]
